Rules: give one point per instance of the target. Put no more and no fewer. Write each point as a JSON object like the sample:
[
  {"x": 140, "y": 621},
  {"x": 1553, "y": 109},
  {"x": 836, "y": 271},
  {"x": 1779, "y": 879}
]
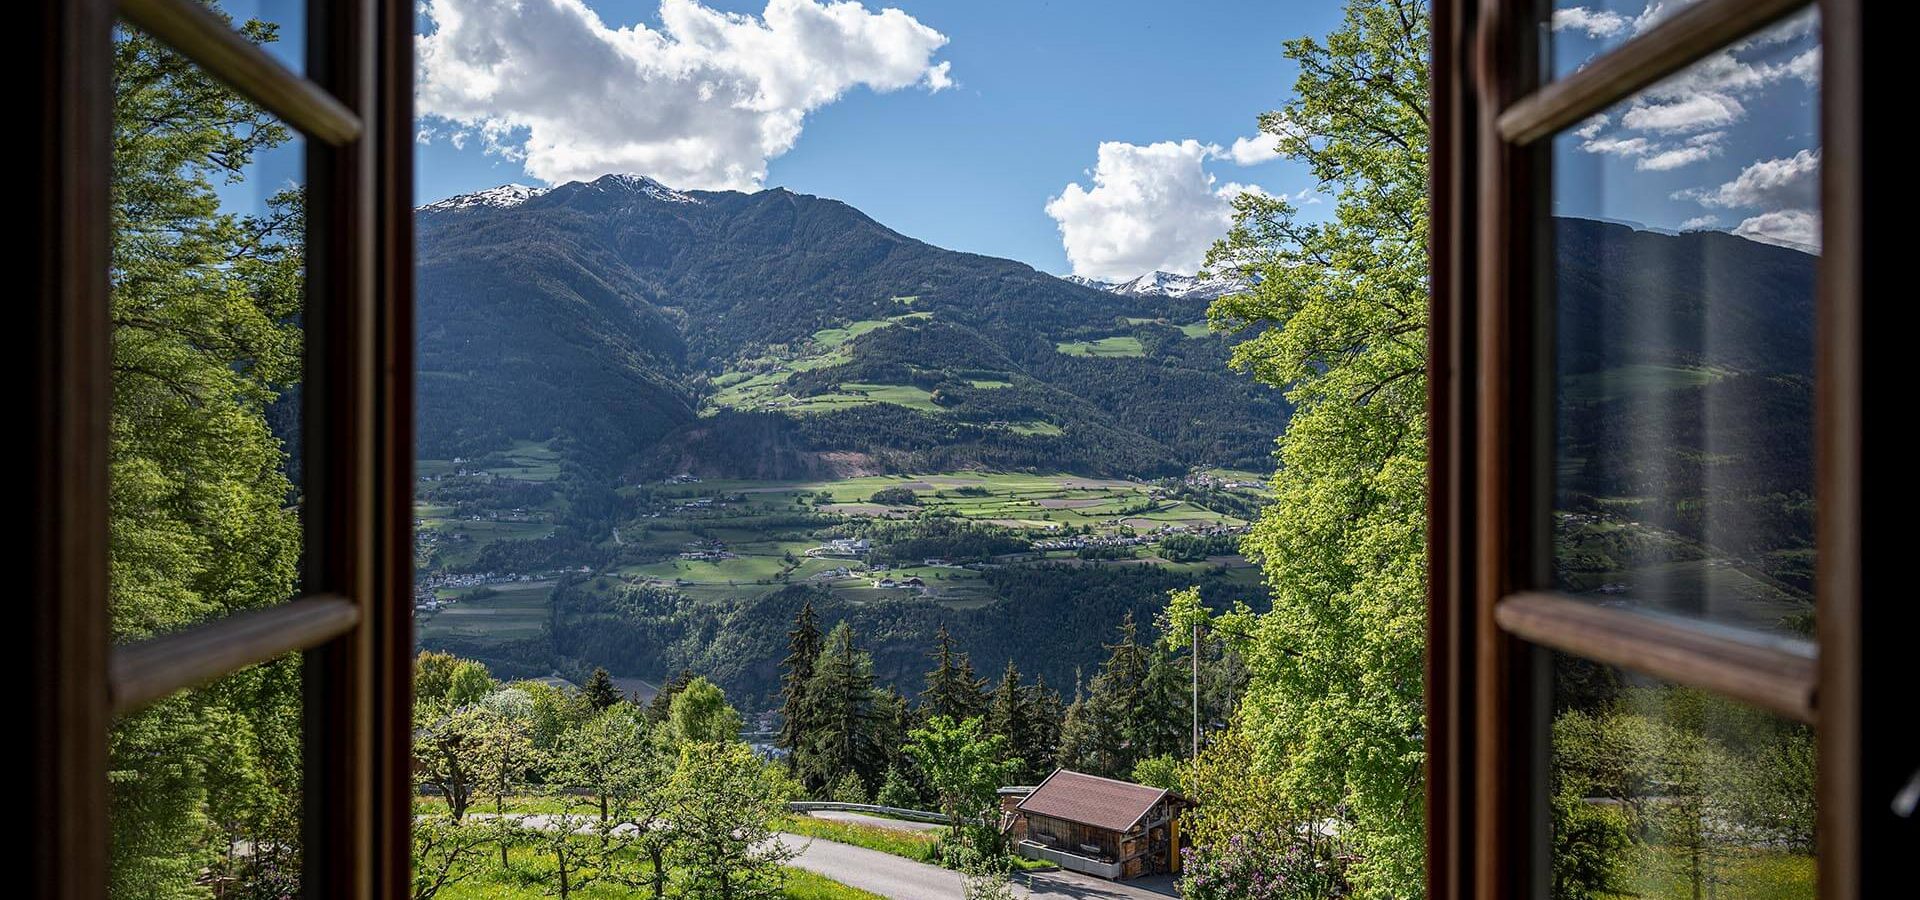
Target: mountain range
[{"x": 651, "y": 331}]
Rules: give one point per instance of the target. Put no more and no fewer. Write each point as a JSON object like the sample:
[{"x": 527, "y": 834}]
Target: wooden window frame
[
  {"x": 1492, "y": 623},
  {"x": 354, "y": 620}
]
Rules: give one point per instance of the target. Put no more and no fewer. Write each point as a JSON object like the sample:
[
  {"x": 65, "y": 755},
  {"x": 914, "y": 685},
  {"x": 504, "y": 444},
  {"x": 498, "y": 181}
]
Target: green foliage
[
  {"x": 797, "y": 710},
  {"x": 599, "y": 692},
  {"x": 851, "y": 733},
  {"x": 701, "y": 714},
  {"x": 895, "y": 496},
  {"x": 964, "y": 765},
  {"x": 952, "y": 690},
  {"x": 1249, "y": 835},
  {"x": 848, "y": 788},
  {"x": 1336, "y": 315},
  {"x": 726, "y": 803},
  {"x": 1164, "y": 771},
  {"x": 899, "y": 791},
  {"x": 202, "y": 517}
]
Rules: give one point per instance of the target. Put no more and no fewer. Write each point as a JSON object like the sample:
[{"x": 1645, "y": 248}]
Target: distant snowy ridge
[
  {"x": 1163, "y": 284},
  {"x": 510, "y": 195},
  {"x": 495, "y": 197}
]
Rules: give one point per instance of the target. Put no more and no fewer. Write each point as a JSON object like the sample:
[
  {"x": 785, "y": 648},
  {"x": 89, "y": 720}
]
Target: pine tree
[
  {"x": 851, "y": 717},
  {"x": 1042, "y": 738},
  {"x": 796, "y": 710},
  {"x": 661, "y": 706},
  {"x": 952, "y": 690},
  {"x": 1008, "y": 714},
  {"x": 600, "y": 692}
]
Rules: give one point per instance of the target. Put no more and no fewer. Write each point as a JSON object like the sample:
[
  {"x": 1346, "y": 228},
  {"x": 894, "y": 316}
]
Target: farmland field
[
  {"x": 1118, "y": 346},
  {"x": 734, "y": 540}
]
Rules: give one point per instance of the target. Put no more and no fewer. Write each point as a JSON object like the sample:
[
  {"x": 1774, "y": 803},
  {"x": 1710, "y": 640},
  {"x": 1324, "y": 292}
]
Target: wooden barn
[{"x": 1099, "y": 826}]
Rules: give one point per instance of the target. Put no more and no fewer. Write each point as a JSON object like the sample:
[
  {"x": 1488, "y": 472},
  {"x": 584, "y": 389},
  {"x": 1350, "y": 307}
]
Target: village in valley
[{"x": 855, "y": 536}]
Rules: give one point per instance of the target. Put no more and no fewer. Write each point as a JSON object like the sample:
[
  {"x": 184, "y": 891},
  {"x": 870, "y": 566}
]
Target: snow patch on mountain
[
  {"x": 641, "y": 184},
  {"x": 1163, "y": 284},
  {"x": 500, "y": 197}
]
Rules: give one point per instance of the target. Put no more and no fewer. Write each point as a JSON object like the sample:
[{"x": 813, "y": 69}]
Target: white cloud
[
  {"x": 1789, "y": 183},
  {"x": 1675, "y": 157},
  {"x": 1151, "y": 207},
  {"x": 1798, "y": 228},
  {"x": 1689, "y": 113},
  {"x": 1700, "y": 223},
  {"x": 1252, "y": 151},
  {"x": 1597, "y": 23},
  {"x": 1592, "y": 127},
  {"x": 1696, "y": 148},
  {"x": 1617, "y": 146},
  {"x": 703, "y": 102}
]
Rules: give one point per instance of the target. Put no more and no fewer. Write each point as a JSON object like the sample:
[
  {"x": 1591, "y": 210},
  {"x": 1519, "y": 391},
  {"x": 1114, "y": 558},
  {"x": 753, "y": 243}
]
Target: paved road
[
  {"x": 871, "y": 870},
  {"x": 903, "y": 879},
  {"x": 857, "y": 818}
]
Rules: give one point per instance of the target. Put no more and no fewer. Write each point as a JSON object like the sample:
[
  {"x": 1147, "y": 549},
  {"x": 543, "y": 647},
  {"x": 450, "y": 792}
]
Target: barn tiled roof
[{"x": 1092, "y": 800}]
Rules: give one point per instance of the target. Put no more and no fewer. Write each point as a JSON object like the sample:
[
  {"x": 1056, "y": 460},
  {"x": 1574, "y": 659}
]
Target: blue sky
[
  {"x": 992, "y": 125},
  {"x": 1730, "y": 143},
  {"x": 1036, "y": 88}
]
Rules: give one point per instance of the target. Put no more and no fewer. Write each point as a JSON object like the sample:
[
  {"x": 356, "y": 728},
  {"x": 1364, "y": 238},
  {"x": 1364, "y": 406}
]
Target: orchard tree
[
  {"x": 700, "y": 713},
  {"x": 1334, "y": 312},
  {"x": 725, "y": 804}
]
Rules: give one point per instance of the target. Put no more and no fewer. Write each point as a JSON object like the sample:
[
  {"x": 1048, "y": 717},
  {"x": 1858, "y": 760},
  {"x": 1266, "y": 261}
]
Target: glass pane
[
  {"x": 1660, "y": 791},
  {"x": 1581, "y": 31},
  {"x": 1686, "y": 238},
  {"x": 1584, "y": 29},
  {"x": 207, "y": 293},
  {"x": 204, "y": 790},
  {"x": 279, "y": 26}
]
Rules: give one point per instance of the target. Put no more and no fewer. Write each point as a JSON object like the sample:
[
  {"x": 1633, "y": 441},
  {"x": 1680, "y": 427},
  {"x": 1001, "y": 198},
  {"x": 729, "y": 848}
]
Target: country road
[
  {"x": 903, "y": 879},
  {"x": 898, "y": 878}
]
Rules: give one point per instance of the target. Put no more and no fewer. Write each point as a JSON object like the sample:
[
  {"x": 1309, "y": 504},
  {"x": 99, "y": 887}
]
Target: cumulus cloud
[
  {"x": 703, "y": 102},
  {"x": 1791, "y": 182},
  {"x": 1252, "y": 151},
  {"x": 1798, "y": 228},
  {"x": 1683, "y": 119},
  {"x": 1151, "y": 207},
  {"x": 1700, "y": 223},
  {"x": 1597, "y": 23},
  {"x": 1686, "y": 113}
]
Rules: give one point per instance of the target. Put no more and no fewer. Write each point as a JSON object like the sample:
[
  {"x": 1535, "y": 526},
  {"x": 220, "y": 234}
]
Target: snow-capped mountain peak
[
  {"x": 495, "y": 197},
  {"x": 1163, "y": 284},
  {"x": 641, "y": 184}
]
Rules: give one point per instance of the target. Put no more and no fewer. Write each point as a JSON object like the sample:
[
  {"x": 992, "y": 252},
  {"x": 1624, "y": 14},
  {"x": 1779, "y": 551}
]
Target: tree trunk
[{"x": 659, "y": 870}]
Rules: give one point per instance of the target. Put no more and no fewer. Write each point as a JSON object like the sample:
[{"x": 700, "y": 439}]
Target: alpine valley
[{"x": 654, "y": 423}]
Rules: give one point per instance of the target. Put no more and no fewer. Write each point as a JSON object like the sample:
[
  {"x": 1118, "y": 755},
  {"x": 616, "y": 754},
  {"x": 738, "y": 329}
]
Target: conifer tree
[
  {"x": 952, "y": 690},
  {"x": 600, "y": 694},
  {"x": 1008, "y": 715},
  {"x": 851, "y": 717},
  {"x": 796, "y": 710}
]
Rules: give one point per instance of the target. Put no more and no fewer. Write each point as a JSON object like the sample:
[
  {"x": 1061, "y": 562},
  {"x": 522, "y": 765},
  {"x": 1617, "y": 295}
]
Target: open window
[
  {"x": 1647, "y": 552},
  {"x": 155, "y": 313}
]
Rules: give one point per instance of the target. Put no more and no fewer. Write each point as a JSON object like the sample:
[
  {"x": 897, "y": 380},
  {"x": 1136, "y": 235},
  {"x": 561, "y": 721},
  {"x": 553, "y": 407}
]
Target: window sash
[
  {"x": 1490, "y": 626},
  {"x": 354, "y": 621}
]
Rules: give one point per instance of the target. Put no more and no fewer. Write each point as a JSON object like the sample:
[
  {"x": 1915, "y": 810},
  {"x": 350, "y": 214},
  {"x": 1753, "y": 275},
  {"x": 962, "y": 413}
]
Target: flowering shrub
[{"x": 1257, "y": 866}]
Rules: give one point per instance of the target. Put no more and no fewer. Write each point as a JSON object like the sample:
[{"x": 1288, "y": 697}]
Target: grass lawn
[
  {"x": 1661, "y": 873},
  {"x": 915, "y": 845},
  {"x": 527, "y": 875}
]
